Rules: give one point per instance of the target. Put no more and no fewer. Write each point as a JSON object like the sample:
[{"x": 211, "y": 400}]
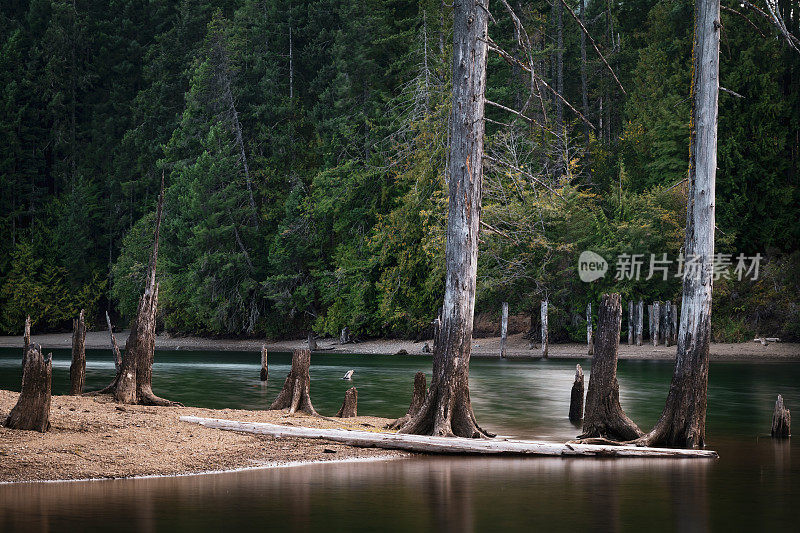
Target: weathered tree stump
[
  {"x": 26, "y": 338},
  {"x": 114, "y": 346},
  {"x": 675, "y": 317},
  {"x": 417, "y": 399},
  {"x": 312, "y": 342},
  {"x": 349, "y": 407},
  {"x": 545, "y": 334},
  {"x": 603, "y": 415},
  {"x": 503, "y": 330},
  {"x": 32, "y": 411},
  {"x": 639, "y": 323},
  {"x": 589, "y": 333},
  {"x": 264, "y": 367},
  {"x": 77, "y": 370},
  {"x": 656, "y": 321},
  {"x": 344, "y": 336},
  {"x": 296, "y": 393},
  {"x": 781, "y": 420},
  {"x": 631, "y": 317},
  {"x": 576, "y": 397},
  {"x": 666, "y": 323},
  {"x": 651, "y": 329}
]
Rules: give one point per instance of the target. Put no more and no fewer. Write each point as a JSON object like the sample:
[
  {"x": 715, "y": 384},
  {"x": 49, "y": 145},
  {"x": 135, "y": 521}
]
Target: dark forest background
[{"x": 303, "y": 147}]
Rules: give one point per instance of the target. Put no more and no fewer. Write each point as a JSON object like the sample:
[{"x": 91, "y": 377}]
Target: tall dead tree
[
  {"x": 32, "y": 410},
  {"x": 133, "y": 384},
  {"x": 683, "y": 422},
  {"x": 26, "y": 337},
  {"x": 603, "y": 414},
  {"x": 77, "y": 369},
  {"x": 114, "y": 346},
  {"x": 296, "y": 393},
  {"x": 503, "y": 329},
  {"x": 589, "y": 333},
  {"x": 447, "y": 409}
]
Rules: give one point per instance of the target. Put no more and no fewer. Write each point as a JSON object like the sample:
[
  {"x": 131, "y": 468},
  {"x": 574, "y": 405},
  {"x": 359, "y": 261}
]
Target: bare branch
[{"x": 525, "y": 172}]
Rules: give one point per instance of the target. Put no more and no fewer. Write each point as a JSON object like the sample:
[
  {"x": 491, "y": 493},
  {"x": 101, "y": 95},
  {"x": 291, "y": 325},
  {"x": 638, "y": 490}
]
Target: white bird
[{"x": 348, "y": 375}]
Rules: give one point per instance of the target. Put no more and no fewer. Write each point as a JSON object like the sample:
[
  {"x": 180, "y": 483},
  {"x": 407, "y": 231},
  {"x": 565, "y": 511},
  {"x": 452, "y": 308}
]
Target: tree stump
[
  {"x": 264, "y": 367},
  {"x": 639, "y": 323},
  {"x": 114, "y": 346},
  {"x": 32, "y": 411},
  {"x": 344, "y": 336},
  {"x": 781, "y": 420},
  {"x": 503, "y": 329},
  {"x": 545, "y": 334},
  {"x": 666, "y": 323},
  {"x": 349, "y": 407},
  {"x": 603, "y": 415},
  {"x": 77, "y": 370},
  {"x": 631, "y": 315},
  {"x": 312, "y": 342},
  {"x": 656, "y": 320},
  {"x": 589, "y": 333},
  {"x": 417, "y": 399},
  {"x": 296, "y": 393},
  {"x": 576, "y": 397},
  {"x": 26, "y": 338}
]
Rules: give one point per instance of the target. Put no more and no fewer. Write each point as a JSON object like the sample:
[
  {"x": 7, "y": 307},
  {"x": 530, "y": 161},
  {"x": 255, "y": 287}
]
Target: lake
[{"x": 753, "y": 486}]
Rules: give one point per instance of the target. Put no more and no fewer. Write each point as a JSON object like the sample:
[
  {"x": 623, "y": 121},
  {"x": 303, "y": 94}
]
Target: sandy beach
[
  {"x": 518, "y": 347},
  {"x": 93, "y": 437}
]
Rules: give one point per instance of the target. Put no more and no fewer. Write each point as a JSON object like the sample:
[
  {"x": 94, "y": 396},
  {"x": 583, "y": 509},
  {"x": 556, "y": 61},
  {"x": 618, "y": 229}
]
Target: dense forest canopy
[{"x": 304, "y": 145}]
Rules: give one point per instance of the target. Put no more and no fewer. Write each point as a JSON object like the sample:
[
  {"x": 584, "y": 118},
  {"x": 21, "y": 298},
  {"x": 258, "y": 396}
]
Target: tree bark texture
[
  {"x": 603, "y": 414},
  {"x": 32, "y": 411},
  {"x": 447, "y": 410},
  {"x": 77, "y": 369},
  {"x": 781, "y": 420},
  {"x": 349, "y": 407},
  {"x": 296, "y": 393},
  {"x": 683, "y": 422},
  {"x": 576, "y": 397}
]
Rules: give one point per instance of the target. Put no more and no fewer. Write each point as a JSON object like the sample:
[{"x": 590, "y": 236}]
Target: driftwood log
[
  {"x": 349, "y": 407},
  {"x": 32, "y": 411},
  {"x": 417, "y": 399},
  {"x": 296, "y": 393},
  {"x": 781, "y": 420},
  {"x": 264, "y": 366},
  {"x": 77, "y": 369},
  {"x": 603, "y": 415},
  {"x": 448, "y": 445},
  {"x": 576, "y": 397}
]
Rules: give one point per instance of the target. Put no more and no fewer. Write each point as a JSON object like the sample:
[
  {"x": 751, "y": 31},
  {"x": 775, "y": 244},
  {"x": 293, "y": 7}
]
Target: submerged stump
[
  {"x": 77, "y": 370},
  {"x": 32, "y": 411},
  {"x": 603, "y": 415},
  {"x": 264, "y": 368},
  {"x": 781, "y": 420},
  {"x": 296, "y": 393},
  {"x": 349, "y": 407},
  {"x": 576, "y": 397},
  {"x": 417, "y": 399}
]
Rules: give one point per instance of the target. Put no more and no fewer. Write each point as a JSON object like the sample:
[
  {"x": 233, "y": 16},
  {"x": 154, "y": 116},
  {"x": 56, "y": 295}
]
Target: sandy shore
[
  {"x": 484, "y": 347},
  {"x": 93, "y": 437}
]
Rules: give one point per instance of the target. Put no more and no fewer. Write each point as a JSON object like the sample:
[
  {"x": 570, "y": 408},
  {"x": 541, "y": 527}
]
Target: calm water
[{"x": 753, "y": 486}]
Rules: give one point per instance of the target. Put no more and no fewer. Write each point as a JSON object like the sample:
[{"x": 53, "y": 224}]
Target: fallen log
[{"x": 447, "y": 445}]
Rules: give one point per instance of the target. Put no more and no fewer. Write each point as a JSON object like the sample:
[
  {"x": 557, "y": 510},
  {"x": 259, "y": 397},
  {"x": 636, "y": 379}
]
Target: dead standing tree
[
  {"x": 133, "y": 384},
  {"x": 32, "y": 411},
  {"x": 603, "y": 415},
  {"x": 77, "y": 369},
  {"x": 296, "y": 393},
  {"x": 447, "y": 410}
]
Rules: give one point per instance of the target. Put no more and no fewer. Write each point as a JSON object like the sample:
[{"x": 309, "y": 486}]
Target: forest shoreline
[
  {"x": 95, "y": 438},
  {"x": 489, "y": 347}
]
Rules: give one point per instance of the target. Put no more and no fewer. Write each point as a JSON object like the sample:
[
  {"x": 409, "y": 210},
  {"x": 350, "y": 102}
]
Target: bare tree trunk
[
  {"x": 631, "y": 321},
  {"x": 559, "y": 65},
  {"x": 639, "y": 323},
  {"x": 589, "y": 333},
  {"x": 604, "y": 416},
  {"x": 417, "y": 400},
  {"x": 683, "y": 421},
  {"x": 781, "y": 420},
  {"x": 349, "y": 407},
  {"x": 32, "y": 411},
  {"x": 312, "y": 342},
  {"x": 296, "y": 393},
  {"x": 576, "y": 396},
  {"x": 344, "y": 336},
  {"x": 545, "y": 333},
  {"x": 134, "y": 384},
  {"x": 26, "y": 338},
  {"x": 503, "y": 329},
  {"x": 264, "y": 367},
  {"x": 447, "y": 409},
  {"x": 584, "y": 84},
  {"x": 114, "y": 346},
  {"x": 666, "y": 323},
  {"x": 77, "y": 369}
]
